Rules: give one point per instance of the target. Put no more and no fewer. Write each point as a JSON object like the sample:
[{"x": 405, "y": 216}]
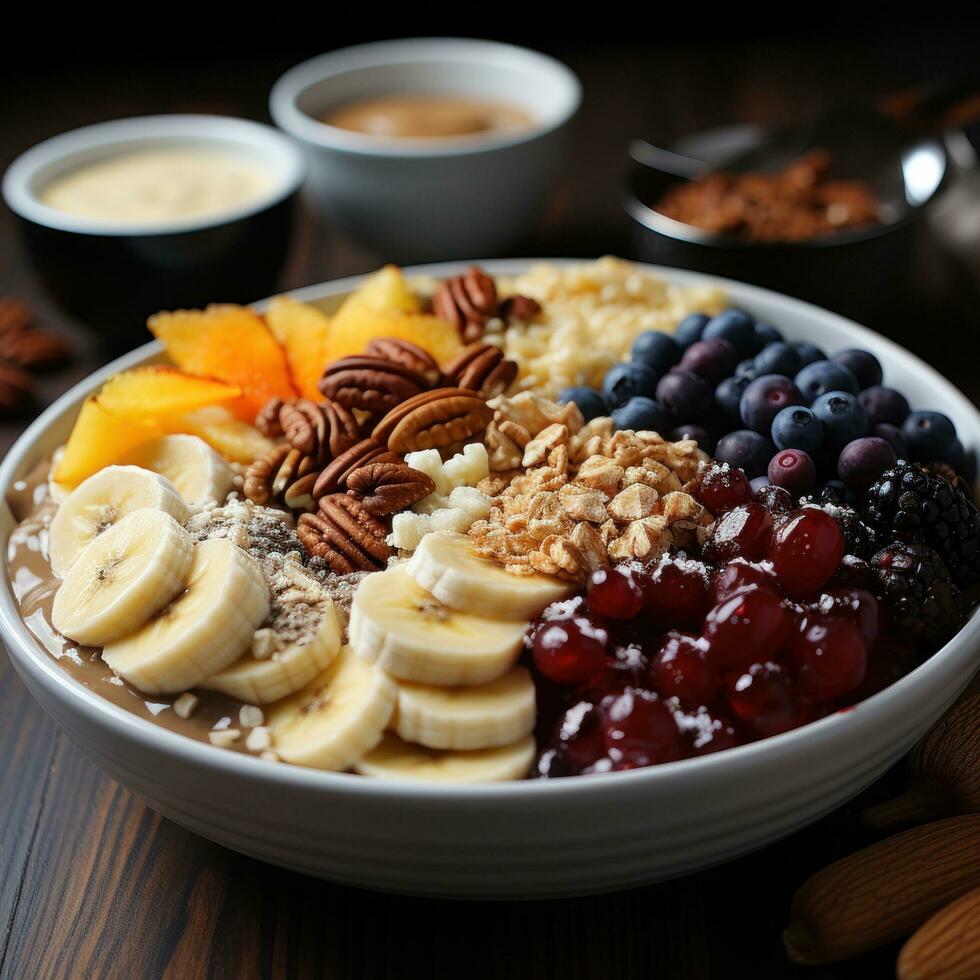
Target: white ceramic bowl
[
  {"x": 424, "y": 199},
  {"x": 524, "y": 839}
]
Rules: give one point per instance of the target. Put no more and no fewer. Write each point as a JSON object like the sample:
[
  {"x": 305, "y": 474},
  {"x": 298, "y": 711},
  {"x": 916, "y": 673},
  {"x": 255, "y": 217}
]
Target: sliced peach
[
  {"x": 304, "y": 332},
  {"x": 234, "y": 439},
  {"x": 231, "y": 343},
  {"x": 100, "y": 438},
  {"x": 159, "y": 390},
  {"x": 353, "y": 327},
  {"x": 385, "y": 290}
]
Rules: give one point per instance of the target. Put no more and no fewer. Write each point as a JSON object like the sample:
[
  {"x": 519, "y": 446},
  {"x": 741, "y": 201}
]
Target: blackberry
[
  {"x": 910, "y": 504},
  {"x": 859, "y": 539},
  {"x": 925, "y": 603}
]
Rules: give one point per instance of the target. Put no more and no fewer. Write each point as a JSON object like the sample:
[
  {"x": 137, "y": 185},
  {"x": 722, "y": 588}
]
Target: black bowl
[
  {"x": 855, "y": 272},
  {"x": 112, "y": 278}
]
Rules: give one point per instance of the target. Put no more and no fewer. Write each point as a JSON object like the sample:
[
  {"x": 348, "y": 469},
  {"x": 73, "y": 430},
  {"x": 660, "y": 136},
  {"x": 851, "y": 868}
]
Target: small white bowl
[
  {"x": 531, "y": 839},
  {"x": 424, "y": 199}
]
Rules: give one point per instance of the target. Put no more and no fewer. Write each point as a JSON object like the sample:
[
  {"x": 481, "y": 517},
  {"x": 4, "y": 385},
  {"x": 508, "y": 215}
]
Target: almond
[
  {"x": 947, "y": 947},
  {"x": 883, "y": 892},
  {"x": 943, "y": 772}
]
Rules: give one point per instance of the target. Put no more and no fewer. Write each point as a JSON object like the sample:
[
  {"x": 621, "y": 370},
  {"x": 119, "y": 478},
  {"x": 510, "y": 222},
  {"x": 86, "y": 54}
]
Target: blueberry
[
  {"x": 822, "y": 376},
  {"x": 765, "y": 398},
  {"x": 640, "y": 413},
  {"x": 767, "y": 334},
  {"x": 746, "y": 449},
  {"x": 736, "y": 327},
  {"x": 656, "y": 350},
  {"x": 797, "y": 427},
  {"x": 690, "y": 329},
  {"x": 626, "y": 381},
  {"x": 710, "y": 359},
  {"x": 793, "y": 470},
  {"x": 955, "y": 456},
  {"x": 698, "y": 433},
  {"x": 746, "y": 369},
  {"x": 809, "y": 353},
  {"x": 885, "y": 405},
  {"x": 893, "y": 436},
  {"x": 590, "y": 403},
  {"x": 728, "y": 397},
  {"x": 929, "y": 435},
  {"x": 842, "y": 416},
  {"x": 778, "y": 358},
  {"x": 862, "y": 461},
  {"x": 684, "y": 394},
  {"x": 862, "y": 364}
]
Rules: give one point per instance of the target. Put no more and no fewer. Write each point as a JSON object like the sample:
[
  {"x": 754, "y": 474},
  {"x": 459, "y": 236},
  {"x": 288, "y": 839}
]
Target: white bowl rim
[
  {"x": 290, "y": 86},
  {"x": 289, "y": 168},
  {"x": 740, "y": 760}
]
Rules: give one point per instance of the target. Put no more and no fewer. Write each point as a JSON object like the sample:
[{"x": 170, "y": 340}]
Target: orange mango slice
[
  {"x": 303, "y": 331},
  {"x": 158, "y": 391}
]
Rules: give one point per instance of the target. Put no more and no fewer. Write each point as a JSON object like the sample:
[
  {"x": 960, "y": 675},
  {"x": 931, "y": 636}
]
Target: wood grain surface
[{"x": 94, "y": 884}]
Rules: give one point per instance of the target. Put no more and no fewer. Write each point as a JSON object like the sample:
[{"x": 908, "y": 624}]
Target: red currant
[
  {"x": 862, "y": 608},
  {"x": 681, "y": 671},
  {"x": 749, "y": 626},
  {"x": 675, "y": 593},
  {"x": 829, "y": 657},
  {"x": 743, "y": 532},
  {"x": 763, "y": 700},
  {"x": 707, "y": 731},
  {"x": 639, "y": 729},
  {"x": 613, "y": 592},
  {"x": 806, "y": 550},
  {"x": 724, "y": 487},
  {"x": 579, "y": 736},
  {"x": 738, "y": 575},
  {"x": 570, "y": 651}
]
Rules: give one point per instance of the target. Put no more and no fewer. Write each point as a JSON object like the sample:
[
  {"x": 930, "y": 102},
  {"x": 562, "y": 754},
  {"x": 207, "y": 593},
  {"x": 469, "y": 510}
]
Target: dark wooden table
[{"x": 93, "y": 884}]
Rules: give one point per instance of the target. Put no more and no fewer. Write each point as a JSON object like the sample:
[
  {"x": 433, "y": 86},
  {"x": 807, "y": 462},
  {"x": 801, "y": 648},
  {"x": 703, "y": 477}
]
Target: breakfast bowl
[
  {"x": 425, "y": 199},
  {"x": 823, "y": 269},
  {"x": 177, "y": 249},
  {"x": 535, "y": 838}
]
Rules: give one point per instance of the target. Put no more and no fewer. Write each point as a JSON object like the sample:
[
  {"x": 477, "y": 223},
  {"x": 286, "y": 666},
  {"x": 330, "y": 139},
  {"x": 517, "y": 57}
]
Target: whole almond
[
  {"x": 947, "y": 947},
  {"x": 883, "y": 892},
  {"x": 943, "y": 772}
]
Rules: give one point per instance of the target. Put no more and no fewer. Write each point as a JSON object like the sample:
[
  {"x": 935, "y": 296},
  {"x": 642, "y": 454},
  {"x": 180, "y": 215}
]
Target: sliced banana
[
  {"x": 299, "y": 640},
  {"x": 398, "y": 625},
  {"x": 124, "y": 577},
  {"x": 98, "y": 502},
  {"x": 206, "y": 628},
  {"x": 336, "y": 718},
  {"x": 480, "y": 717},
  {"x": 197, "y": 472},
  {"x": 397, "y": 759},
  {"x": 447, "y": 565}
]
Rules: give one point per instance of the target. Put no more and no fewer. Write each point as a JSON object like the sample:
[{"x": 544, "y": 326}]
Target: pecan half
[
  {"x": 433, "y": 420},
  {"x": 16, "y": 389},
  {"x": 322, "y": 431},
  {"x": 345, "y": 535},
  {"x": 285, "y": 475},
  {"x": 15, "y": 315},
  {"x": 386, "y": 488},
  {"x": 519, "y": 309},
  {"x": 267, "y": 420},
  {"x": 467, "y": 302},
  {"x": 373, "y": 384},
  {"x": 482, "y": 368},
  {"x": 407, "y": 354},
  {"x": 335, "y": 475},
  {"x": 34, "y": 349}
]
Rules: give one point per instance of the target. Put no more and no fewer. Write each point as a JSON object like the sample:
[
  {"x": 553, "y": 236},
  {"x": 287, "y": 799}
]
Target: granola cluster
[{"x": 568, "y": 498}]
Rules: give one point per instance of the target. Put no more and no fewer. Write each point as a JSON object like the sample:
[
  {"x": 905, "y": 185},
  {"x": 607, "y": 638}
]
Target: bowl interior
[{"x": 799, "y": 320}]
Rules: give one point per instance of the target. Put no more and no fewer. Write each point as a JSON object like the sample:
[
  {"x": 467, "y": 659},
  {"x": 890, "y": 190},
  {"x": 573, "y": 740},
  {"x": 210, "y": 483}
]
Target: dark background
[{"x": 94, "y": 884}]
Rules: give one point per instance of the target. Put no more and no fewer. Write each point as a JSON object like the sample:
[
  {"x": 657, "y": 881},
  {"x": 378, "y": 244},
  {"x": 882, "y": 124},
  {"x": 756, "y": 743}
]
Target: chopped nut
[
  {"x": 601, "y": 473},
  {"x": 250, "y": 716},
  {"x": 645, "y": 538},
  {"x": 582, "y": 504},
  {"x": 516, "y": 433},
  {"x": 265, "y": 643},
  {"x": 224, "y": 737},
  {"x": 258, "y": 739},
  {"x": 543, "y": 443},
  {"x": 635, "y": 502},
  {"x": 184, "y": 705},
  {"x": 590, "y": 545},
  {"x": 679, "y": 506},
  {"x": 504, "y": 453}
]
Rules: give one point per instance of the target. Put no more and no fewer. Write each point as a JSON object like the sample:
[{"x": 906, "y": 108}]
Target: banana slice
[
  {"x": 123, "y": 577},
  {"x": 98, "y": 502},
  {"x": 206, "y": 628},
  {"x": 197, "y": 472},
  {"x": 447, "y": 565},
  {"x": 299, "y": 640},
  {"x": 395, "y": 623},
  {"x": 336, "y": 718},
  {"x": 480, "y": 717},
  {"x": 395, "y": 759}
]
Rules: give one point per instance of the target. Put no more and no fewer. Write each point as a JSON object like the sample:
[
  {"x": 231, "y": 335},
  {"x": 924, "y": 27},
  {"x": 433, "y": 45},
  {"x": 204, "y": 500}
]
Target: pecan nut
[
  {"x": 482, "y": 368},
  {"x": 267, "y": 419},
  {"x": 15, "y": 315},
  {"x": 34, "y": 349},
  {"x": 323, "y": 430},
  {"x": 519, "y": 309},
  {"x": 335, "y": 475},
  {"x": 345, "y": 535},
  {"x": 467, "y": 302},
  {"x": 16, "y": 389},
  {"x": 407, "y": 354},
  {"x": 434, "y": 420},
  {"x": 372, "y": 384},
  {"x": 386, "y": 488},
  {"x": 285, "y": 475}
]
